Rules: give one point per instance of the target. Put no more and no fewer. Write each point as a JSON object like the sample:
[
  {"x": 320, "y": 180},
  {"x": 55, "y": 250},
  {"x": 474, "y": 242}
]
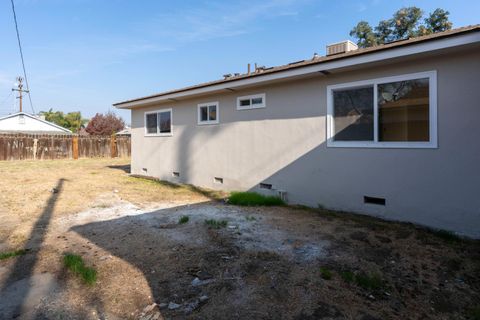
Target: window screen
[{"x": 353, "y": 114}]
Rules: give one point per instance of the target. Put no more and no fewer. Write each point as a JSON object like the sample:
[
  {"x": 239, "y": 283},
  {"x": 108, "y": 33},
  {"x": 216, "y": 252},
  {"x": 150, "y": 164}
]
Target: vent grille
[{"x": 374, "y": 200}]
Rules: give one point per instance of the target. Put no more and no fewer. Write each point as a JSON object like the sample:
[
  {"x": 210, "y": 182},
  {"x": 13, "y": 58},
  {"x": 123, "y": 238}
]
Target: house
[
  {"x": 125, "y": 132},
  {"x": 391, "y": 131},
  {"x": 22, "y": 122}
]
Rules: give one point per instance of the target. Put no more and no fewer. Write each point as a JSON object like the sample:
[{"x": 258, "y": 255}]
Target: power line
[
  {"x": 21, "y": 56},
  {"x": 5, "y": 100}
]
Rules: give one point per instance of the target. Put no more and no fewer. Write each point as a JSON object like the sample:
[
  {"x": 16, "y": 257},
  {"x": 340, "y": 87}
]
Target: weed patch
[
  {"x": 447, "y": 236},
  {"x": 254, "y": 199},
  {"x": 11, "y": 254},
  {"x": 250, "y": 218},
  {"x": 347, "y": 276},
  {"x": 369, "y": 282},
  {"x": 216, "y": 224},
  {"x": 474, "y": 313},
  {"x": 183, "y": 219},
  {"x": 75, "y": 264},
  {"x": 325, "y": 273}
]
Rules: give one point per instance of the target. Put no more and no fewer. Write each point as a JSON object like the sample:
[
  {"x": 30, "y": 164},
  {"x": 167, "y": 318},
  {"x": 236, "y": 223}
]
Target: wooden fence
[{"x": 43, "y": 146}]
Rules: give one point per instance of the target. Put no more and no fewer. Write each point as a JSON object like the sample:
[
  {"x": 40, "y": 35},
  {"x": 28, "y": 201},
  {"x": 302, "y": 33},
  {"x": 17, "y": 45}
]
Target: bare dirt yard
[{"x": 162, "y": 251}]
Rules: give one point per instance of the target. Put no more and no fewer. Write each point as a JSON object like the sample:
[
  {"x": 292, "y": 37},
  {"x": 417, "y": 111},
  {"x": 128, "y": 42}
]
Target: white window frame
[
  {"x": 207, "y": 122},
  {"x": 158, "y": 134},
  {"x": 433, "y": 127},
  {"x": 251, "y": 106}
]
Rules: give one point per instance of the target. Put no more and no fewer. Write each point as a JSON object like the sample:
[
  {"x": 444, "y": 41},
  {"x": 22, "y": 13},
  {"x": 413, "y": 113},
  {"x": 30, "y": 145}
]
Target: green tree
[
  {"x": 383, "y": 32},
  {"x": 364, "y": 33},
  {"x": 437, "y": 21},
  {"x": 72, "y": 120},
  {"x": 405, "y": 23}
]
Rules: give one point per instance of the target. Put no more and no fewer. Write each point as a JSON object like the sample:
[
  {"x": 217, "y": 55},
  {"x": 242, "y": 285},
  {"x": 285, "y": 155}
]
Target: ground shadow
[
  {"x": 24, "y": 266},
  {"x": 125, "y": 168},
  {"x": 171, "y": 255}
]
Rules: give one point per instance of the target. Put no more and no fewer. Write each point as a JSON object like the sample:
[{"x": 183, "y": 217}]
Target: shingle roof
[{"x": 318, "y": 60}]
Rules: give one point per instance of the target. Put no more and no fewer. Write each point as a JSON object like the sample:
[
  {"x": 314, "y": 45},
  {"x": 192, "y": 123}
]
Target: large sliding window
[
  {"x": 158, "y": 123},
  {"x": 393, "y": 112}
]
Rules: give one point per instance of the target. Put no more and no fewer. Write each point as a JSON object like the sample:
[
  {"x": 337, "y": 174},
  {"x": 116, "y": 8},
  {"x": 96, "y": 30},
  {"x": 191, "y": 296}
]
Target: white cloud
[{"x": 218, "y": 20}]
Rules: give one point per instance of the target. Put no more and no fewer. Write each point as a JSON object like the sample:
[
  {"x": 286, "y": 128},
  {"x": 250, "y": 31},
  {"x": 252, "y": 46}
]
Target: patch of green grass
[
  {"x": 474, "y": 313},
  {"x": 347, "y": 276},
  {"x": 11, "y": 254},
  {"x": 183, "y": 219},
  {"x": 447, "y": 236},
  {"x": 250, "y": 218},
  {"x": 216, "y": 224},
  {"x": 325, "y": 273},
  {"x": 75, "y": 264},
  {"x": 369, "y": 281},
  {"x": 254, "y": 199}
]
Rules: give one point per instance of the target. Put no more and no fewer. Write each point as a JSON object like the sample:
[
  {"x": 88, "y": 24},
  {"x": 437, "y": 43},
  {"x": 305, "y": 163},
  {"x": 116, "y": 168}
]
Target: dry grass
[{"x": 27, "y": 186}]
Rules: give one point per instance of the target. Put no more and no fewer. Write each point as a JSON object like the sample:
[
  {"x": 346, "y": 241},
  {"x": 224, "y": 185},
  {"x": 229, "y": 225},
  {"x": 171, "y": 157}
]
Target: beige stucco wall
[{"x": 284, "y": 144}]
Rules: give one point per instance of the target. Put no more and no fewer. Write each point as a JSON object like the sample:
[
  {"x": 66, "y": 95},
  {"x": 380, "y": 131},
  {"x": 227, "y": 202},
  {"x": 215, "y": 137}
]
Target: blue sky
[{"x": 87, "y": 54}]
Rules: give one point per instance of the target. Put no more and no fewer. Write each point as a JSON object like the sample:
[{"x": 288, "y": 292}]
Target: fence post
[
  {"x": 35, "y": 144},
  {"x": 75, "y": 147},
  {"x": 113, "y": 146}
]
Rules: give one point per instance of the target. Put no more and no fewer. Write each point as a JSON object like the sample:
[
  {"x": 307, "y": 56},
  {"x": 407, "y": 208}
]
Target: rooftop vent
[
  {"x": 226, "y": 76},
  {"x": 341, "y": 47}
]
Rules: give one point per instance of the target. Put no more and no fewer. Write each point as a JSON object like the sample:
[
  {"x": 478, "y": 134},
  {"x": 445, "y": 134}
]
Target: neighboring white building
[
  {"x": 124, "y": 132},
  {"x": 22, "y": 122}
]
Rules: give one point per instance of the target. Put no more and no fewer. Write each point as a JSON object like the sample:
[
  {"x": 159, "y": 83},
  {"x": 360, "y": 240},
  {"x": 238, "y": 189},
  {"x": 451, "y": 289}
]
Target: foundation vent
[
  {"x": 265, "y": 186},
  {"x": 218, "y": 180},
  {"x": 176, "y": 174},
  {"x": 341, "y": 47},
  {"x": 374, "y": 200}
]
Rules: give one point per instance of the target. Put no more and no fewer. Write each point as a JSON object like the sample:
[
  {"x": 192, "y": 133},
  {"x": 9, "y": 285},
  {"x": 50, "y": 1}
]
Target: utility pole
[{"x": 20, "y": 90}]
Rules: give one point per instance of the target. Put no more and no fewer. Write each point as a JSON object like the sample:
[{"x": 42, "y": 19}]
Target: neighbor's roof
[
  {"x": 65, "y": 130},
  {"x": 317, "y": 61},
  {"x": 124, "y": 132}
]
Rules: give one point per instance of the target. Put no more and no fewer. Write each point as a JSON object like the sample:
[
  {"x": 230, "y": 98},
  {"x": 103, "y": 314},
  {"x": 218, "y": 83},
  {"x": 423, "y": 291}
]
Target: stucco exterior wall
[{"x": 284, "y": 145}]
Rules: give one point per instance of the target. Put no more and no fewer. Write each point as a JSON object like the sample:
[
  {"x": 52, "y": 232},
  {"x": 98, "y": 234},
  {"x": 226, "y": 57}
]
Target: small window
[
  {"x": 158, "y": 123},
  {"x": 393, "y": 112},
  {"x": 251, "y": 102},
  {"x": 208, "y": 113}
]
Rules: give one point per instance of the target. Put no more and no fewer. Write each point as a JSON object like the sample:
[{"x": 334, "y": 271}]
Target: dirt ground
[{"x": 266, "y": 263}]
